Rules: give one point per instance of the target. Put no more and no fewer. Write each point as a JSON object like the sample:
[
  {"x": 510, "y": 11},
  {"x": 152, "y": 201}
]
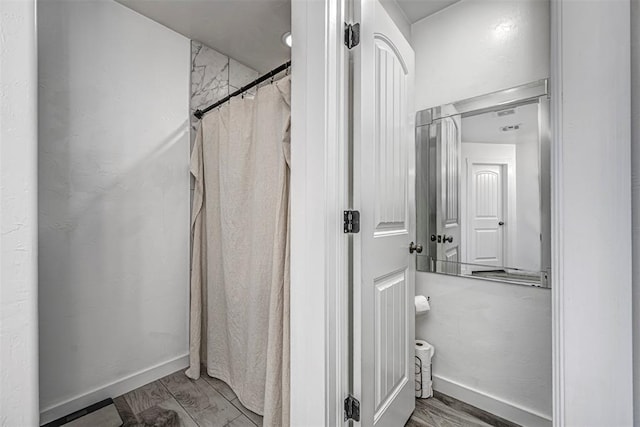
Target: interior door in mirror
[{"x": 448, "y": 238}]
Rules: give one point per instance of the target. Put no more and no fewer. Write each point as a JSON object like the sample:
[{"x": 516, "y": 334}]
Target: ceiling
[
  {"x": 249, "y": 31},
  {"x": 486, "y": 128},
  {"x": 415, "y": 10}
]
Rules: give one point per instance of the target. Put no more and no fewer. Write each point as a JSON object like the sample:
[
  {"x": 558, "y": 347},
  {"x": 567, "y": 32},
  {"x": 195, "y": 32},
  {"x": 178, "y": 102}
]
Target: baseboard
[
  {"x": 495, "y": 405},
  {"x": 114, "y": 389}
]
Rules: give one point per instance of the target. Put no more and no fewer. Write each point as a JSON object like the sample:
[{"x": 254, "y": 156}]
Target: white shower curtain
[{"x": 240, "y": 268}]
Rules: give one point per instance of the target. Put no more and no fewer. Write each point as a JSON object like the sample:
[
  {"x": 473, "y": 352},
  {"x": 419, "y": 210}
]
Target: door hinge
[
  {"x": 351, "y": 221},
  {"x": 351, "y": 35},
  {"x": 351, "y": 409}
]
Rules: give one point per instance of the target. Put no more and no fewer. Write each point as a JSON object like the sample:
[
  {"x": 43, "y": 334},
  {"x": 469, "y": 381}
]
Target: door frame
[
  {"x": 504, "y": 168},
  {"x": 319, "y": 282},
  {"x": 595, "y": 84},
  {"x": 509, "y": 191}
]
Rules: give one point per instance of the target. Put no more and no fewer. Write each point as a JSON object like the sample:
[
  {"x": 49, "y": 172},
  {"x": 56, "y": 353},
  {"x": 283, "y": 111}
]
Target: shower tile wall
[
  {"x": 240, "y": 75},
  {"x": 213, "y": 76},
  {"x": 209, "y": 78}
]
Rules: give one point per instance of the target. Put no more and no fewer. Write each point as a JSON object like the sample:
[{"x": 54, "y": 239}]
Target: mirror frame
[{"x": 426, "y": 204}]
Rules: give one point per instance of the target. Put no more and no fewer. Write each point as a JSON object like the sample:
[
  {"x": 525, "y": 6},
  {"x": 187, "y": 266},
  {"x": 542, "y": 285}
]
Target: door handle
[
  {"x": 501, "y": 223},
  {"x": 441, "y": 238},
  {"x": 415, "y": 248}
]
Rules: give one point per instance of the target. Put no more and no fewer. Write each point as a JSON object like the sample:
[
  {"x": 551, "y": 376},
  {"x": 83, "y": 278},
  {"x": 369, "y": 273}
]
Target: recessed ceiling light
[{"x": 286, "y": 38}]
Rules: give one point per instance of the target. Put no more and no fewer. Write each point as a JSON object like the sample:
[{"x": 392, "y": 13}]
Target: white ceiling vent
[{"x": 511, "y": 128}]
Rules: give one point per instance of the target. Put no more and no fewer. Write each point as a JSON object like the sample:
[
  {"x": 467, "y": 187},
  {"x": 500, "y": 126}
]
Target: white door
[
  {"x": 448, "y": 162},
  {"x": 486, "y": 213},
  {"x": 384, "y": 175}
]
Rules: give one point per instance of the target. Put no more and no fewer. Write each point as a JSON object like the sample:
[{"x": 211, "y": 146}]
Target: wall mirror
[{"x": 483, "y": 187}]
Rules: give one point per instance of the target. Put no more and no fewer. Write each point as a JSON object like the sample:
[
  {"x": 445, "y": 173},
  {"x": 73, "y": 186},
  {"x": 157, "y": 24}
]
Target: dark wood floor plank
[
  {"x": 126, "y": 413},
  {"x": 435, "y": 413},
  {"x": 185, "y": 418},
  {"x": 146, "y": 396},
  {"x": 186, "y": 392},
  {"x": 485, "y": 416},
  {"x": 255, "y": 418},
  {"x": 416, "y": 422},
  {"x": 241, "y": 421},
  {"x": 220, "y": 386},
  {"x": 201, "y": 401},
  {"x": 159, "y": 417}
]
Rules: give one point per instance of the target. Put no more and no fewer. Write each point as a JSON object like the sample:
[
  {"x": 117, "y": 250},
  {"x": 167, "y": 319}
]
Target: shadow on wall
[
  {"x": 93, "y": 233},
  {"x": 113, "y": 196}
]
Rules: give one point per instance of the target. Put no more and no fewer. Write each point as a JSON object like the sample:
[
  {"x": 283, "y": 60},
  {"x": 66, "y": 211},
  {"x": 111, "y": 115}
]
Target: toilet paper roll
[
  {"x": 422, "y": 304},
  {"x": 424, "y": 353}
]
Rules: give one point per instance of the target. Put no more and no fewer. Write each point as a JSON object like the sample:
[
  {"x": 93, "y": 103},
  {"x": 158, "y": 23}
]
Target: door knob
[
  {"x": 501, "y": 223},
  {"x": 415, "y": 248},
  {"x": 448, "y": 239}
]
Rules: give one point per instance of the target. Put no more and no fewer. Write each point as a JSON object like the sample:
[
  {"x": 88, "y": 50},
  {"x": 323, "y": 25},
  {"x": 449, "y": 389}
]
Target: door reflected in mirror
[{"x": 483, "y": 200}]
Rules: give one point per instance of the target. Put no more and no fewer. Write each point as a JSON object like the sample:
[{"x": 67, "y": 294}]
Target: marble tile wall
[{"x": 213, "y": 76}]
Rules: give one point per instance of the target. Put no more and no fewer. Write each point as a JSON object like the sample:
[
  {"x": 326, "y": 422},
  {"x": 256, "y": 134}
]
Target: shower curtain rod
[{"x": 199, "y": 113}]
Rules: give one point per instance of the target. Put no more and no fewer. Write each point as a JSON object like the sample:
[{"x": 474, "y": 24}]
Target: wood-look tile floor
[
  {"x": 206, "y": 402},
  {"x": 444, "y": 411},
  {"x": 209, "y": 402}
]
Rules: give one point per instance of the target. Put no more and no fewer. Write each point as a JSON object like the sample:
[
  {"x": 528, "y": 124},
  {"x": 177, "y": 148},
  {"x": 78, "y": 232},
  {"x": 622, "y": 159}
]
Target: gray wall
[
  {"x": 113, "y": 202},
  {"x": 18, "y": 215},
  {"x": 635, "y": 179}
]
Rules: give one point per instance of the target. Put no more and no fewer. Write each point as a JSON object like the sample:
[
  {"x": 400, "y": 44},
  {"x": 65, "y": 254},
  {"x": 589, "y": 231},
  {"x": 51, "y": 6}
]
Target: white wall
[
  {"x": 635, "y": 180},
  {"x": 506, "y": 43},
  {"x": 528, "y": 249},
  {"x": 113, "y": 201},
  {"x": 18, "y": 215},
  {"x": 398, "y": 16},
  {"x": 493, "y": 341}
]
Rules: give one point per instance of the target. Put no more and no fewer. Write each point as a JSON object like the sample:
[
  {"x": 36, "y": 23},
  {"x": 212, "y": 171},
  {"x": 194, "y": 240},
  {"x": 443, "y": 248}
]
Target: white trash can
[{"x": 424, "y": 383}]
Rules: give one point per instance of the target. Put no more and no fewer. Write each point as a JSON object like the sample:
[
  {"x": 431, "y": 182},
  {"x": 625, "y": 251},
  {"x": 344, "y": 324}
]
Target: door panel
[
  {"x": 384, "y": 174},
  {"x": 390, "y": 340},
  {"x": 486, "y": 203},
  {"x": 391, "y": 156},
  {"x": 448, "y": 162}
]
